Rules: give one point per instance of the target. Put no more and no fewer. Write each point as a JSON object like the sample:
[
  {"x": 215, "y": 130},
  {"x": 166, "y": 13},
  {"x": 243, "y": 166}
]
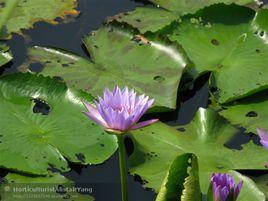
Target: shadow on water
[{"x": 104, "y": 179}]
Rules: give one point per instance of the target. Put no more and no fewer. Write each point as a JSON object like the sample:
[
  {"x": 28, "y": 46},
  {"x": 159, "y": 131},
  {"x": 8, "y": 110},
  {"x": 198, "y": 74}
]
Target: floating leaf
[
  {"x": 118, "y": 58},
  {"x": 250, "y": 113},
  {"x": 181, "y": 181},
  {"x": 55, "y": 187},
  {"x": 182, "y": 7},
  {"x": 41, "y": 126},
  {"x": 231, "y": 42},
  {"x": 158, "y": 145},
  {"x": 27, "y": 12},
  {"x": 146, "y": 19}
]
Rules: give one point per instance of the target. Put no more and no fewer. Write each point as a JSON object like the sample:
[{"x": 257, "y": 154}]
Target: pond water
[{"x": 105, "y": 178}]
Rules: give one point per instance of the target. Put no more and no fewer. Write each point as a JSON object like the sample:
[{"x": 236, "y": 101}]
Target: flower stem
[{"x": 123, "y": 167}]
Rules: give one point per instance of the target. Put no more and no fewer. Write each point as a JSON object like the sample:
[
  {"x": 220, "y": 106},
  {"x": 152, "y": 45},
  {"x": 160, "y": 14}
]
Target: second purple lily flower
[
  {"x": 120, "y": 110},
  {"x": 224, "y": 188}
]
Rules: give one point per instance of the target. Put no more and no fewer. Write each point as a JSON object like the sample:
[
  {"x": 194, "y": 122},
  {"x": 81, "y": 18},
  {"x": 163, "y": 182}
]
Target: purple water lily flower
[
  {"x": 120, "y": 110},
  {"x": 224, "y": 187},
  {"x": 263, "y": 136}
]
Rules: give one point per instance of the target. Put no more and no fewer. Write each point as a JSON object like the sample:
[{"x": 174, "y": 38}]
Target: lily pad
[
  {"x": 158, "y": 145},
  {"x": 119, "y": 57},
  {"x": 262, "y": 182},
  {"x": 250, "y": 113},
  {"x": 181, "y": 181},
  {"x": 41, "y": 126},
  {"x": 182, "y": 7},
  {"x": 5, "y": 55},
  {"x": 54, "y": 187},
  {"x": 250, "y": 190},
  {"x": 231, "y": 42},
  {"x": 146, "y": 19},
  {"x": 27, "y": 12}
]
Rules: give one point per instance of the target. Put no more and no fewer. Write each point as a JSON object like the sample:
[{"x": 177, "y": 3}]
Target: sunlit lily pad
[
  {"x": 41, "y": 126},
  {"x": 158, "y": 145},
  {"x": 191, "y": 6},
  {"x": 119, "y": 57},
  {"x": 230, "y": 41},
  {"x": 250, "y": 113},
  {"x": 27, "y": 12},
  {"x": 146, "y": 19},
  {"x": 55, "y": 187}
]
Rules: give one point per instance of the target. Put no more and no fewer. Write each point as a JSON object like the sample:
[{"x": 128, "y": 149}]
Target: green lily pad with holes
[
  {"x": 5, "y": 55},
  {"x": 261, "y": 182},
  {"x": 121, "y": 58},
  {"x": 250, "y": 113},
  {"x": 181, "y": 181},
  {"x": 155, "y": 148},
  {"x": 55, "y": 187},
  {"x": 231, "y": 42},
  {"x": 146, "y": 19},
  {"x": 183, "y": 7},
  {"x": 27, "y": 12},
  {"x": 33, "y": 142}
]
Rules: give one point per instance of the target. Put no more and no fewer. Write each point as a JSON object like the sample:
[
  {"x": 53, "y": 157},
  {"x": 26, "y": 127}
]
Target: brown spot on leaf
[{"x": 215, "y": 42}]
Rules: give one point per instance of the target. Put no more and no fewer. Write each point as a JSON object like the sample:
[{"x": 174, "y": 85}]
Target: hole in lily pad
[
  {"x": 36, "y": 67},
  {"x": 58, "y": 78},
  {"x": 252, "y": 114},
  {"x": 41, "y": 106},
  {"x": 215, "y": 42},
  {"x": 181, "y": 129},
  {"x": 81, "y": 157},
  {"x": 64, "y": 65},
  {"x": 159, "y": 78},
  {"x": 220, "y": 166},
  {"x": 2, "y": 4}
]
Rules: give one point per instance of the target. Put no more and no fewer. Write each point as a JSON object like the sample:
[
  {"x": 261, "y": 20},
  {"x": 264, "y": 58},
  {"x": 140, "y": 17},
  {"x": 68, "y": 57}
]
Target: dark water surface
[{"x": 105, "y": 178}]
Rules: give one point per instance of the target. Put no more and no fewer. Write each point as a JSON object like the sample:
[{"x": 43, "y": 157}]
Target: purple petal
[
  {"x": 141, "y": 111},
  {"x": 95, "y": 119},
  {"x": 224, "y": 192},
  {"x": 94, "y": 113},
  {"x": 264, "y": 144},
  {"x": 143, "y": 124},
  {"x": 216, "y": 193},
  {"x": 237, "y": 189},
  {"x": 263, "y": 136}
]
